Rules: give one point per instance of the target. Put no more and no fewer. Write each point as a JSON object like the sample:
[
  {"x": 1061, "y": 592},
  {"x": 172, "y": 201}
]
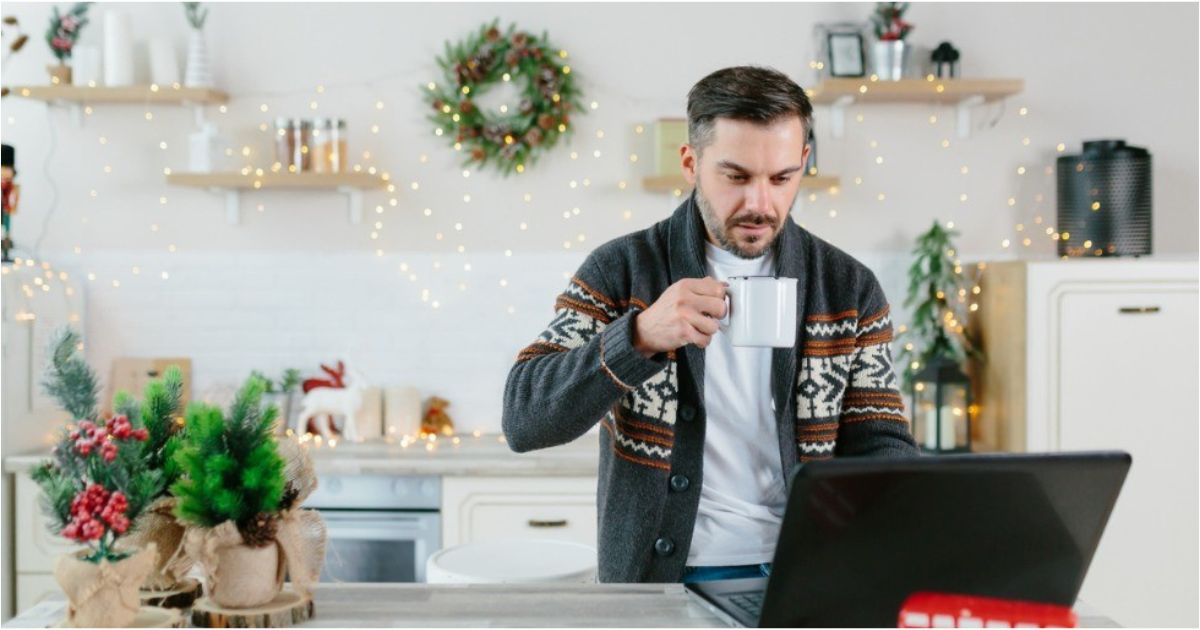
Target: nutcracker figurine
[{"x": 11, "y": 196}]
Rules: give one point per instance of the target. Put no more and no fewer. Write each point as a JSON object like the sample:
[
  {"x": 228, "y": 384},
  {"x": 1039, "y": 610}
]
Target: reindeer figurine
[{"x": 320, "y": 403}]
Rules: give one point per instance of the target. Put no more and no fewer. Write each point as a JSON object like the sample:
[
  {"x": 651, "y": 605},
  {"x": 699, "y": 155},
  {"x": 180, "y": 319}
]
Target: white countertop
[
  {"x": 500, "y": 605},
  {"x": 485, "y": 455}
]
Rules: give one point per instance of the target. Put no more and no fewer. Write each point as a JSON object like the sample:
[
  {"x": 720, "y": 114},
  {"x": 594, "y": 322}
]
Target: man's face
[{"x": 747, "y": 181}]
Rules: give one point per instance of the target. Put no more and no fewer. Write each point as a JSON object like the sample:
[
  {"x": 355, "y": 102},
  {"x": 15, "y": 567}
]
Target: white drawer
[{"x": 489, "y": 508}]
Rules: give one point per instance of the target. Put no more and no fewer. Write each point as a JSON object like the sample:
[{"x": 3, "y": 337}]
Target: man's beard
[{"x": 720, "y": 231}]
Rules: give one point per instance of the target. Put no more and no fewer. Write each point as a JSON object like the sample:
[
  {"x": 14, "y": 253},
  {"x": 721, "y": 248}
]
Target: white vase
[
  {"x": 85, "y": 61},
  {"x": 164, "y": 67},
  {"x": 890, "y": 58},
  {"x": 202, "y": 147},
  {"x": 199, "y": 74},
  {"x": 118, "y": 49}
]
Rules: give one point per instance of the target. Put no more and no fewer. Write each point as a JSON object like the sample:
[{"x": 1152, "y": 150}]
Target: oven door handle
[{"x": 533, "y": 522}]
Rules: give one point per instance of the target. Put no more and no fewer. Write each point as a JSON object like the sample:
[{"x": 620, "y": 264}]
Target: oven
[{"x": 381, "y": 528}]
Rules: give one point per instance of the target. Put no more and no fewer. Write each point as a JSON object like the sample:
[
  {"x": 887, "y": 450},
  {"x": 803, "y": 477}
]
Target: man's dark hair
[{"x": 760, "y": 95}]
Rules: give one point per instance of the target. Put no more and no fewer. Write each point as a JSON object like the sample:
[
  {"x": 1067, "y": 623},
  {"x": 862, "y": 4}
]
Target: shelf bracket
[
  {"x": 233, "y": 204},
  {"x": 354, "y": 202},
  {"x": 964, "y": 114},
  {"x": 837, "y": 115}
]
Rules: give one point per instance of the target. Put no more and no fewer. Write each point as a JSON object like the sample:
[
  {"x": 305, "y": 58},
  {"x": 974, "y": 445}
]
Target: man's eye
[
  {"x": 737, "y": 178},
  {"x": 781, "y": 180}
]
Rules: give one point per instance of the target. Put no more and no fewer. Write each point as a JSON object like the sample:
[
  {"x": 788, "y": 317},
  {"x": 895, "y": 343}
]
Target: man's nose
[{"x": 758, "y": 195}]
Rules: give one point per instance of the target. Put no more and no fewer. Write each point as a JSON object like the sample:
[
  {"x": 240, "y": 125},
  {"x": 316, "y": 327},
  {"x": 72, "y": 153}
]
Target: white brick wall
[
  {"x": 234, "y": 313},
  {"x": 237, "y": 312}
]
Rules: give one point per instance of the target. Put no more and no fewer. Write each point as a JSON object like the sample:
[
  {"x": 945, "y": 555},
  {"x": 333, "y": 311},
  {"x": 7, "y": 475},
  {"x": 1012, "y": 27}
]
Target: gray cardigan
[{"x": 835, "y": 393}]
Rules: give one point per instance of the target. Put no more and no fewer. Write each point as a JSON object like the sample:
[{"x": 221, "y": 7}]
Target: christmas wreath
[{"x": 512, "y": 140}]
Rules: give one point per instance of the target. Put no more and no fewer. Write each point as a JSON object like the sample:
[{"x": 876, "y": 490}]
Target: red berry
[
  {"x": 141, "y": 435},
  {"x": 109, "y": 451}
]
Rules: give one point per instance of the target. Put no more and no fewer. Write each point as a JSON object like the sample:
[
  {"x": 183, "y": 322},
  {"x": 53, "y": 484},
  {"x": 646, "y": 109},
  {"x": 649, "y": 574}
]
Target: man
[{"x": 700, "y": 437}]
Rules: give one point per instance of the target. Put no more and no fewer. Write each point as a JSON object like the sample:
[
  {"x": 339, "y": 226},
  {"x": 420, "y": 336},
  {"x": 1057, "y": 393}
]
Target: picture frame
[{"x": 846, "y": 58}]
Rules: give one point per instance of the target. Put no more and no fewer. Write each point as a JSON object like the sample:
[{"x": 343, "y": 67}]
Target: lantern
[{"x": 941, "y": 419}]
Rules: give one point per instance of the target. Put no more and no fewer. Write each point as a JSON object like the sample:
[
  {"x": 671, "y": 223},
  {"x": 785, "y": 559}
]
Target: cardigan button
[
  {"x": 679, "y": 483},
  {"x": 687, "y": 414},
  {"x": 664, "y": 546}
]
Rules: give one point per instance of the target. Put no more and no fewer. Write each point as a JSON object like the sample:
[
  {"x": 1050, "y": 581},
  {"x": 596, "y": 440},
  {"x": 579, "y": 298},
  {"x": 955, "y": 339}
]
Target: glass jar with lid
[
  {"x": 329, "y": 145},
  {"x": 292, "y": 144}
]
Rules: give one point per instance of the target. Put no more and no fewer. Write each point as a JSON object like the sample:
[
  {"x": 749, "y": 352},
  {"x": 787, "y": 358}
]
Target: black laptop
[{"x": 862, "y": 534}]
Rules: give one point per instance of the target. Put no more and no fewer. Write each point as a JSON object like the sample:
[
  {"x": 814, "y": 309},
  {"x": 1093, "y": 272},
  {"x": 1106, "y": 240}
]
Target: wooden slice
[
  {"x": 287, "y": 609},
  {"x": 149, "y": 617},
  {"x": 183, "y": 596}
]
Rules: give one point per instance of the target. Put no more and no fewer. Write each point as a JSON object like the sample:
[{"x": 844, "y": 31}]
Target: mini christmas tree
[
  {"x": 160, "y": 412},
  {"x": 231, "y": 467},
  {"x": 98, "y": 480},
  {"x": 936, "y": 287}
]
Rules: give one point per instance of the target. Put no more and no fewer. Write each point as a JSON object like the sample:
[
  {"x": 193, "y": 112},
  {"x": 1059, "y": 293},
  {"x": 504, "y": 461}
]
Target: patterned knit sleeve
[
  {"x": 873, "y": 420},
  {"x": 566, "y": 380}
]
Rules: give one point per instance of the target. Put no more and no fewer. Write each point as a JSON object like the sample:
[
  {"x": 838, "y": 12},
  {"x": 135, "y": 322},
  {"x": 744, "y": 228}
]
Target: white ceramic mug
[{"x": 760, "y": 311}]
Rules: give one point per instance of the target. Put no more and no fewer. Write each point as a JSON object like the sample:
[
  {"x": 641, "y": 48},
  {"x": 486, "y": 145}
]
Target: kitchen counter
[
  {"x": 499, "y": 605},
  {"x": 485, "y": 455}
]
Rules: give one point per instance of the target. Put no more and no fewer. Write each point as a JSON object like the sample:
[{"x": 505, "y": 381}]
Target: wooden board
[
  {"x": 286, "y": 610},
  {"x": 183, "y": 597},
  {"x": 277, "y": 180},
  {"x": 133, "y": 94},
  {"x": 864, "y": 90},
  {"x": 148, "y": 617},
  {"x": 132, "y": 375}
]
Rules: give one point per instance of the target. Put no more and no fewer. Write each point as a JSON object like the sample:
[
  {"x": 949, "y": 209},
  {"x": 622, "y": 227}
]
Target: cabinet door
[
  {"x": 1128, "y": 380},
  {"x": 34, "y": 588},
  {"x": 491, "y": 508},
  {"x": 37, "y": 549}
]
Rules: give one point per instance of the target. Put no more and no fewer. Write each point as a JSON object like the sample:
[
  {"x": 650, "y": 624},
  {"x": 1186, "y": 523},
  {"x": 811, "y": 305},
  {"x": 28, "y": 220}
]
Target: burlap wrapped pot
[
  {"x": 103, "y": 594},
  {"x": 158, "y": 525},
  {"x": 237, "y": 575}
]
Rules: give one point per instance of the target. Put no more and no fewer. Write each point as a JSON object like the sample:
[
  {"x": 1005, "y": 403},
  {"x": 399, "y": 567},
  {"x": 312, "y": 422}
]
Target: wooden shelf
[
  {"x": 962, "y": 93},
  {"x": 672, "y": 183},
  {"x": 913, "y": 90},
  {"x": 232, "y": 184},
  {"x": 131, "y": 94},
  {"x": 276, "y": 180}
]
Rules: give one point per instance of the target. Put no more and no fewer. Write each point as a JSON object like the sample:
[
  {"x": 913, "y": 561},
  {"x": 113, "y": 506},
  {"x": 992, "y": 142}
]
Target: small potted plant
[
  {"x": 891, "y": 52},
  {"x": 61, "y": 36},
  {"x": 93, "y": 488},
  {"x": 161, "y": 414},
  {"x": 240, "y": 497}
]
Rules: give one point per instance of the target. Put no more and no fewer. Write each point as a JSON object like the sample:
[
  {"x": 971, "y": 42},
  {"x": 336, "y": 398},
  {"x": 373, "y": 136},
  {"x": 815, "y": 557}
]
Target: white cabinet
[
  {"x": 1103, "y": 354},
  {"x": 475, "y": 509},
  {"x": 37, "y": 549}
]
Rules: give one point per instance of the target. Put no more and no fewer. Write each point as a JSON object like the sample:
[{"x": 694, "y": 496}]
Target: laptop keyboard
[{"x": 750, "y": 602}]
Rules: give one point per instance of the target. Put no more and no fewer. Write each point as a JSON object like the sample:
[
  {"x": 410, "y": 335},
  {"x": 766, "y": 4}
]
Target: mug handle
[{"x": 724, "y": 321}]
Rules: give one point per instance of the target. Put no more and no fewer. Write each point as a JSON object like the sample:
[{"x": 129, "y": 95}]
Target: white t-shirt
[{"x": 743, "y": 495}]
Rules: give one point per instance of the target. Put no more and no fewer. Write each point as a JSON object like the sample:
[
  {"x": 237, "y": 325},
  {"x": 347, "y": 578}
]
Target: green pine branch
[
  {"x": 68, "y": 378},
  {"x": 229, "y": 464},
  {"x": 934, "y": 283}
]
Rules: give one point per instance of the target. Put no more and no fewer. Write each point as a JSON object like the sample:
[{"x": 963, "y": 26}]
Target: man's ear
[{"x": 689, "y": 161}]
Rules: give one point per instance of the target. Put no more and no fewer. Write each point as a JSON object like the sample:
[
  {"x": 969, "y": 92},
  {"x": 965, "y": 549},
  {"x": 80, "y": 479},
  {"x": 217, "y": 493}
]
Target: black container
[{"x": 1104, "y": 201}]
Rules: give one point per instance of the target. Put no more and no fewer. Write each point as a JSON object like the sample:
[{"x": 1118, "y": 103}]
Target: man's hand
[{"x": 687, "y": 312}]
